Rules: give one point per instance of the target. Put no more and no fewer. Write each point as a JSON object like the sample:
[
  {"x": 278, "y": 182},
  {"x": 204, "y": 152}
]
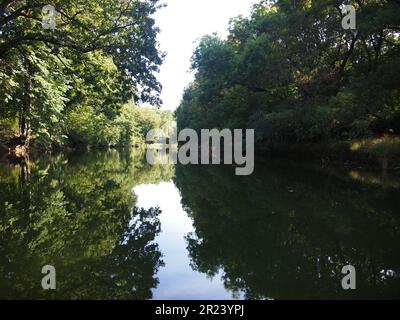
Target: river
[{"x": 115, "y": 227}]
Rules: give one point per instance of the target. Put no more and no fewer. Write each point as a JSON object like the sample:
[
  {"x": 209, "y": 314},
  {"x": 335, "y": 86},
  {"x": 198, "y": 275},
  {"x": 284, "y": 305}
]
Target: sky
[{"x": 182, "y": 23}]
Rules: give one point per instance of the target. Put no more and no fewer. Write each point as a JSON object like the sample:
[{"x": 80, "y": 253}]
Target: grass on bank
[{"x": 382, "y": 151}]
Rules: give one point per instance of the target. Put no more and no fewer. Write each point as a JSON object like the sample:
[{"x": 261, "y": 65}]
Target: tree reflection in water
[
  {"x": 78, "y": 213},
  {"x": 284, "y": 232},
  {"x": 287, "y": 231}
]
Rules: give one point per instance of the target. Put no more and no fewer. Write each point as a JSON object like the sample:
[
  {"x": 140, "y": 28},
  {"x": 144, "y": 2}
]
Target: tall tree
[
  {"x": 293, "y": 73},
  {"x": 98, "y": 45}
]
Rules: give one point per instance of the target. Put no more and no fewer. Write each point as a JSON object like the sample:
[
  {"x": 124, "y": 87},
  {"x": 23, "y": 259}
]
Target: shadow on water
[
  {"x": 287, "y": 231},
  {"x": 78, "y": 214}
]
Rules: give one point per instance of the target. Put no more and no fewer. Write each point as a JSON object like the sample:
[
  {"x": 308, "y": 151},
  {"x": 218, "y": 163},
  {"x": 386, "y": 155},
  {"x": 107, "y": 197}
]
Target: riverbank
[
  {"x": 34, "y": 151},
  {"x": 383, "y": 152}
]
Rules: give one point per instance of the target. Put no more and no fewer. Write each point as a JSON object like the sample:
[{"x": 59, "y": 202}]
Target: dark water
[{"x": 117, "y": 228}]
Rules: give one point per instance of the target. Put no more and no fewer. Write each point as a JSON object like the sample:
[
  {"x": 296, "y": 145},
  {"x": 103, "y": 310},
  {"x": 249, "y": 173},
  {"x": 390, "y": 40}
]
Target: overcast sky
[{"x": 183, "y": 22}]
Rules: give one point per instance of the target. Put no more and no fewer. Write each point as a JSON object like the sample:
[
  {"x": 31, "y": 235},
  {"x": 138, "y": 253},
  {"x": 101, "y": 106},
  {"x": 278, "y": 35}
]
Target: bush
[{"x": 86, "y": 127}]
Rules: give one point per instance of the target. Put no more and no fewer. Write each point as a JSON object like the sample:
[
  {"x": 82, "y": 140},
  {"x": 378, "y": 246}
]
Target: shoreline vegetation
[
  {"x": 80, "y": 83},
  {"x": 310, "y": 89},
  {"x": 128, "y": 130},
  {"x": 380, "y": 153}
]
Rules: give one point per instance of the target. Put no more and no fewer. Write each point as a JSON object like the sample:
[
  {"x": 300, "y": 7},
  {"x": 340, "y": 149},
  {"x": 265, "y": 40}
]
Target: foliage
[
  {"x": 291, "y": 72},
  {"x": 86, "y": 127},
  {"x": 102, "y": 55}
]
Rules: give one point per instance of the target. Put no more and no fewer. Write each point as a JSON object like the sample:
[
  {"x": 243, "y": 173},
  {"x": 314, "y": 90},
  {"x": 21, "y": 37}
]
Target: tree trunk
[{"x": 26, "y": 106}]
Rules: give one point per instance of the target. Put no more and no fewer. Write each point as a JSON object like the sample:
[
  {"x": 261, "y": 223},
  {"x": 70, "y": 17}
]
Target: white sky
[{"x": 182, "y": 23}]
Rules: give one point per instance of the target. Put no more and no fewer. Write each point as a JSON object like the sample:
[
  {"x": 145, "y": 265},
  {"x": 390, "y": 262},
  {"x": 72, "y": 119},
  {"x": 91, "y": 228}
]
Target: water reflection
[
  {"x": 287, "y": 231},
  {"x": 78, "y": 213},
  {"x": 117, "y": 228},
  {"x": 177, "y": 279}
]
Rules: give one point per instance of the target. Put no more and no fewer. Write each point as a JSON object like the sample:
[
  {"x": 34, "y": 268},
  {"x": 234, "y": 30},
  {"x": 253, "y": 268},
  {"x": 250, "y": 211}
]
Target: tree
[
  {"x": 101, "y": 55},
  {"x": 292, "y": 72}
]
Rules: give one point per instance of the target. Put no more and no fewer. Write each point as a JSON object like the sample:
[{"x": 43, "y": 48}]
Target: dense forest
[
  {"x": 77, "y": 84},
  {"x": 289, "y": 70},
  {"x": 295, "y": 75}
]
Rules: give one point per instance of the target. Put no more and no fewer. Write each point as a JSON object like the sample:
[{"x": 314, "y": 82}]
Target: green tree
[
  {"x": 101, "y": 55},
  {"x": 292, "y": 72}
]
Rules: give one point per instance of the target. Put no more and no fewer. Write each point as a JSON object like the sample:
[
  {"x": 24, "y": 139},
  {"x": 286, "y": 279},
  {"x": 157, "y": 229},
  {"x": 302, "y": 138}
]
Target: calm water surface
[{"x": 115, "y": 227}]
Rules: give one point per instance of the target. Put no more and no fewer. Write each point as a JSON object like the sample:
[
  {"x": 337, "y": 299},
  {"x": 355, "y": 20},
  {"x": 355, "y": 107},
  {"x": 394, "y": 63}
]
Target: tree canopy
[
  {"x": 293, "y": 73},
  {"x": 100, "y": 56}
]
